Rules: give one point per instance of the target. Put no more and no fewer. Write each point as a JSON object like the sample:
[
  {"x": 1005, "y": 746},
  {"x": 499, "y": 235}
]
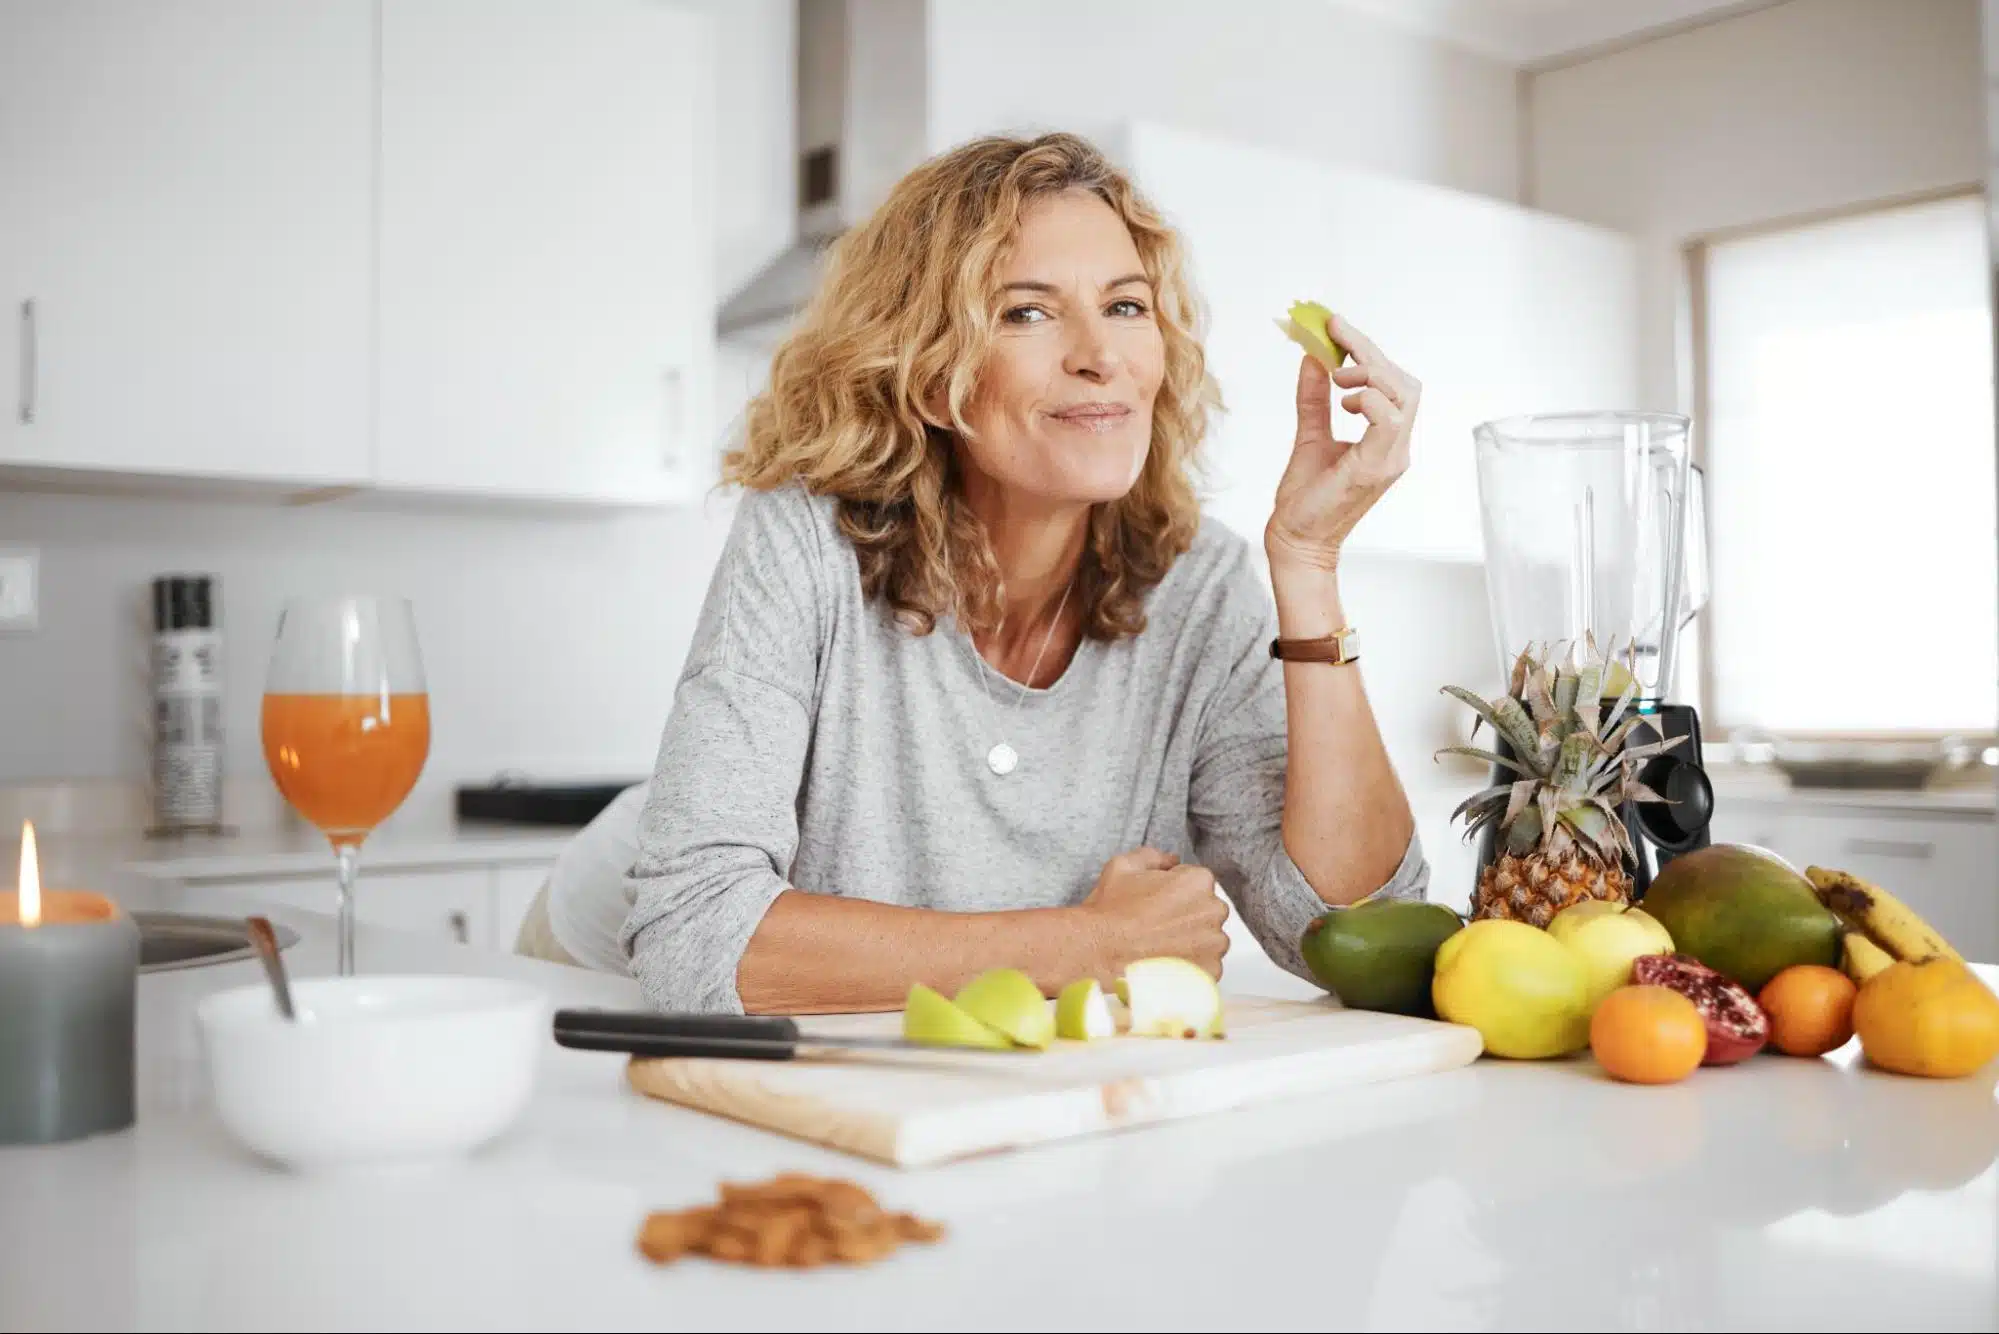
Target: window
[{"x": 1849, "y": 448}]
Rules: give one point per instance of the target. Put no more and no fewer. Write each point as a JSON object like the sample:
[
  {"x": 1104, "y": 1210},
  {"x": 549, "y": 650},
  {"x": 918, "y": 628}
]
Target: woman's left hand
[{"x": 1330, "y": 483}]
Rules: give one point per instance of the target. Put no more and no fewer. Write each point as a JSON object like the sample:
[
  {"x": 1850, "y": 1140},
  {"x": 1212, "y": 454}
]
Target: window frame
[{"x": 1694, "y": 390}]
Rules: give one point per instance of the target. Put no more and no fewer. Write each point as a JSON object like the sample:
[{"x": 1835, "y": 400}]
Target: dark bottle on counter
[{"x": 187, "y": 705}]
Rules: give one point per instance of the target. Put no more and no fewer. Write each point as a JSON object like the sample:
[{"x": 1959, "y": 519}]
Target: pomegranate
[{"x": 1737, "y": 1028}]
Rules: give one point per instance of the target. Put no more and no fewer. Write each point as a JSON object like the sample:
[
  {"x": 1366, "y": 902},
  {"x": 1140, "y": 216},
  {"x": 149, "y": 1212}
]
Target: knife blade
[{"x": 743, "y": 1037}]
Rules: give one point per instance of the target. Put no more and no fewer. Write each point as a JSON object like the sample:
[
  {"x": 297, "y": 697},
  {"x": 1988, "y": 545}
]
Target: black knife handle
[{"x": 643, "y": 1033}]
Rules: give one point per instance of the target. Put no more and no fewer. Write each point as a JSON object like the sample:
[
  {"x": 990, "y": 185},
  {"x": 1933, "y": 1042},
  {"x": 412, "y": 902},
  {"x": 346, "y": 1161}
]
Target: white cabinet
[
  {"x": 458, "y": 246},
  {"x": 480, "y": 906},
  {"x": 185, "y": 249},
  {"x": 1943, "y": 863},
  {"x": 514, "y": 888},
  {"x": 1497, "y": 309},
  {"x": 542, "y": 245}
]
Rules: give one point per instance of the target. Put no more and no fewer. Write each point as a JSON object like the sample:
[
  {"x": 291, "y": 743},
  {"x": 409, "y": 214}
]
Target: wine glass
[{"x": 346, "y": 723}]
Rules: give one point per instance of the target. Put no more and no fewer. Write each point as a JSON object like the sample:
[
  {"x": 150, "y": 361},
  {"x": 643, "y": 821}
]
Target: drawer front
[
  {"x": 514, "y": 888},
  {"x": 451, "y": 905},
  {"x": 1758, "y": 825},
  {"x": 1946, "y": 869}
]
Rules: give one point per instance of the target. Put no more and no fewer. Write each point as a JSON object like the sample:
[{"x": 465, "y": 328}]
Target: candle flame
[{"x": 31, "y": 877}]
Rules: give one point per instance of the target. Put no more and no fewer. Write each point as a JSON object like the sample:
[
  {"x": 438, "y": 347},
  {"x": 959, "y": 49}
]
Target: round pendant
[{"x": 1001, "y": 759}]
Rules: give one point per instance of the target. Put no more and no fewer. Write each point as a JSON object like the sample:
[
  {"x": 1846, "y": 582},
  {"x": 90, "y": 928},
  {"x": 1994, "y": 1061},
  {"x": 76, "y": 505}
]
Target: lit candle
[{"x": 69, "y": 961}]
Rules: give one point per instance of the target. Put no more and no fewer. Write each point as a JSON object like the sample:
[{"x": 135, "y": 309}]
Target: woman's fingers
[
  {"x": 1381, "y": 411},
  {"x": 1371, "y": 366},
  {"x": 1359, "y": 344}
]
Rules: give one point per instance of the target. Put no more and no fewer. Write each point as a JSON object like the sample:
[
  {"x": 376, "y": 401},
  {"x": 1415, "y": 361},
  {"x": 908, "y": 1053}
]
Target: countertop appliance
[{"x": 1595, "y": 528}]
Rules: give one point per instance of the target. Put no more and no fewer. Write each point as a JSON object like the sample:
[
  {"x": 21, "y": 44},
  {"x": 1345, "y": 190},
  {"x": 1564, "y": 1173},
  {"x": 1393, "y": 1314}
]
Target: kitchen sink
[{"x": 169, "y": 940}]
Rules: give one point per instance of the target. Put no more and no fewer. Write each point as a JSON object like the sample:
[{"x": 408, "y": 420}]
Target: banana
[
  {"x": 1861, "y": 957},
  {"x": 1880, "y": 916}
]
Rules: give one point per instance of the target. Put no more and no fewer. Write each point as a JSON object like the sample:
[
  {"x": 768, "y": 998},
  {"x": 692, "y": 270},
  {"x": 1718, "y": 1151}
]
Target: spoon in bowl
[{"x": 266, "y": 942}]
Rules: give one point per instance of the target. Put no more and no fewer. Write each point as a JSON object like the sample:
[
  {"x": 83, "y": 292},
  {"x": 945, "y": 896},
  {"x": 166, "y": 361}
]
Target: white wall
[
  {"x": 1306, "y": 76},
  {"x": 1811, "y": 105}
]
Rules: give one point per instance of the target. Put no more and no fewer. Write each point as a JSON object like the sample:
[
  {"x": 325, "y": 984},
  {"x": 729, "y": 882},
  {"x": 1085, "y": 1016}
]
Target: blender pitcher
[{"x": 1593, "y": 530}]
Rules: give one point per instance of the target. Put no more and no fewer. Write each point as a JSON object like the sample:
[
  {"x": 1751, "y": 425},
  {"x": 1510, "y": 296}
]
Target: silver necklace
[{"x": 1002, "y": 759}]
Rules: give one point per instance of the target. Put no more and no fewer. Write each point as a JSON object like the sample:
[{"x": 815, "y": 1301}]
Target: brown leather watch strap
[{"x": 1338, "y": 648}]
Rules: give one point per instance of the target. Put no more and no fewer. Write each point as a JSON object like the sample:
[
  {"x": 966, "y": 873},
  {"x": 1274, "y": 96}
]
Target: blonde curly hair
[{"x": 868, "y": 393}]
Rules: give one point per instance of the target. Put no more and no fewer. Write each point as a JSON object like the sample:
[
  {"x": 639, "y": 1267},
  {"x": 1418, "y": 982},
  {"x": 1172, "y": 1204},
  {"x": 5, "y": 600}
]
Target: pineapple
[{"x": 1561, "y": 838}]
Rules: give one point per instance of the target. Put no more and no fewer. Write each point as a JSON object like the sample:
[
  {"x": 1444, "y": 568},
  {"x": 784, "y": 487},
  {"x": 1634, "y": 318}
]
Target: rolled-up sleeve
[
  {"x": 1236, "y": 800},
  {"x": 720, "y": 827}
]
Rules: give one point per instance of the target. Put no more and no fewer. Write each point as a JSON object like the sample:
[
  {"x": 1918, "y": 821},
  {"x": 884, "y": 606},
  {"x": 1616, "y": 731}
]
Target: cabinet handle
[
  {"x": 30, "y": 362},
  {"x": 461, "y": 927},
  {"x": 672, "y": 419},
  {"x": 1891, "y": 847}
]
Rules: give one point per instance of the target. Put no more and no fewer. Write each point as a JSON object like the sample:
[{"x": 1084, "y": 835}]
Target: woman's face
[{"x": 1063, "y": 409}]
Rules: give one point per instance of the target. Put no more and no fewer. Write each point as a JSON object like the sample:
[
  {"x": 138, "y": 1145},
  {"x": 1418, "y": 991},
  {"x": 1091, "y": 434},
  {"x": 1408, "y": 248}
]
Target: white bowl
[{"x": 377, "y": 1069}]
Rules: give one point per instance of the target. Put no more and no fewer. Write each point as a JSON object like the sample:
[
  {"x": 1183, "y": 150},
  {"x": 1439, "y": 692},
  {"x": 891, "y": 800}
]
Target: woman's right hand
[{"x": 1145, "y": 903}]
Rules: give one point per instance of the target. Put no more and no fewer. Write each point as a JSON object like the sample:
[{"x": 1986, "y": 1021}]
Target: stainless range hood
[{"x": 861, "y": 118}]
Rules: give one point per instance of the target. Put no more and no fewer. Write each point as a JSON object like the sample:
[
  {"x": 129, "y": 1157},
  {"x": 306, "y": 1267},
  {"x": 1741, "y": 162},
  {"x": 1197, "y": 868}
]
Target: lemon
[{"x": 1524, "y": 991}]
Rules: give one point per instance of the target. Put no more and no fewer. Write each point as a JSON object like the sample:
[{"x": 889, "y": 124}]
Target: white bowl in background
[{"x": 377, "y": 1069}]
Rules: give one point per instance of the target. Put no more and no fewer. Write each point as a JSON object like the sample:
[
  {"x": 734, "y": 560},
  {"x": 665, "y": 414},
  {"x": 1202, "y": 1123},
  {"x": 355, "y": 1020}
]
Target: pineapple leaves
[
  {"x": 1490, "y": 757},
  {"x": 1487, "y": 795},
  {"x": 1517, "y": 801},
  {"x": 1540, "y": 703},
  {"x": 1508, "y": 719},
  {"x": 1521, "y": 666}
]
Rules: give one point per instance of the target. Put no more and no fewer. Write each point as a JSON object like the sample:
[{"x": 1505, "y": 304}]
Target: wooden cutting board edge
[{"x": 1046, "y": 1115}]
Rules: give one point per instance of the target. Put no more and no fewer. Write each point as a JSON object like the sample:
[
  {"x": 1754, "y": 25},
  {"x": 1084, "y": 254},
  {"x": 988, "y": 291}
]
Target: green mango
[
  {"x": 1743, "y": 913},
  {"x": 1381, "y": 955}
]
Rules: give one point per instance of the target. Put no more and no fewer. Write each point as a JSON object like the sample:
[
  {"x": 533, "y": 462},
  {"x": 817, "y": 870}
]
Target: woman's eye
[
  {"x": 1128, "y": 308},
  {"x": 1025, "y": 315}
]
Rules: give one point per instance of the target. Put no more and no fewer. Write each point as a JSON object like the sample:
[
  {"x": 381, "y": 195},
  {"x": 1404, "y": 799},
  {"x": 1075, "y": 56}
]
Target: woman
[{"x": 974, "y": 685}]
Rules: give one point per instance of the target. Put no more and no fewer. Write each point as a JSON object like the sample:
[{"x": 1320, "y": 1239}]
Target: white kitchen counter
[
  {"x": 129, "y": 866},
  {"x": 1779, "y": 1194}
]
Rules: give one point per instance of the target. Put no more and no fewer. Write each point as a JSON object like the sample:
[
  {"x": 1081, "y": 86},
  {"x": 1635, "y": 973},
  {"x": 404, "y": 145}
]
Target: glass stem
[{"x": 348, "y": 861}]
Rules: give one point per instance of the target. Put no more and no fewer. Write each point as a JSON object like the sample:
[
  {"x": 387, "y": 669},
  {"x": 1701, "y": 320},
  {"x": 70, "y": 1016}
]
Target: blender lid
[{"x": 1559, "y": 428}]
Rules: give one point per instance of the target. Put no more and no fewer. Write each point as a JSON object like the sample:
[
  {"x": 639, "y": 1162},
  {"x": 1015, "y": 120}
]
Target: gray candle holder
[{"x": 66, "y": 1029}]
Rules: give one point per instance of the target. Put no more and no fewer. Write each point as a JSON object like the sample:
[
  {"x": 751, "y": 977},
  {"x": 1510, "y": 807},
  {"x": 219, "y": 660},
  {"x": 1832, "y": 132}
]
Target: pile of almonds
[{"x": 791, "y": 1221}]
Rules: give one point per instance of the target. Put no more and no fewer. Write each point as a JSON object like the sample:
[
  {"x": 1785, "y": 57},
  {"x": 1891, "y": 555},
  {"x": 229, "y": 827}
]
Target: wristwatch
[{"x": 1337, "y": 648}]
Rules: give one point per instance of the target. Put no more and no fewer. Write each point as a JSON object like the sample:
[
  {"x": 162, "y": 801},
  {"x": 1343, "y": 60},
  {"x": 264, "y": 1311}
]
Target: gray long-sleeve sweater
[{"x": 816, "y": 744}]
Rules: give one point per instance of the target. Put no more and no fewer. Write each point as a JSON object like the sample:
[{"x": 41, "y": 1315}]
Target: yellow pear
[{"x": 1608, "y": 937}]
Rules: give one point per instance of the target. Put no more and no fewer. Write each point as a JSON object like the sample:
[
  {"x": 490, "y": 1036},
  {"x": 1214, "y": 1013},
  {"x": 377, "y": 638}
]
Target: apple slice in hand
[
  {"x": 1172, "y": 998},
  {"x": 1309, "y": 326}
]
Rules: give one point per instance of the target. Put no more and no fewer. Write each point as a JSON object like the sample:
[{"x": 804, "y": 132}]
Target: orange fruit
[
  {"x": 1810, "y": 1008},
  {"x": 1934, "y": 1018},
  {"x": 1648, "y": 1035}
]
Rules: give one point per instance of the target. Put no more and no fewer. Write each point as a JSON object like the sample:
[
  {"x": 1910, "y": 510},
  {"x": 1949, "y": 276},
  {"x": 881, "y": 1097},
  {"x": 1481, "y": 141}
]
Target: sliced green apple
[
  {"x": 1007, "y": 999},
  {"x": 1309, "y": 326},
  {"x": 1172, "y": 998},
  {"x": 929, "y": 1017},
  {"x": 1082, "y": 1013}
]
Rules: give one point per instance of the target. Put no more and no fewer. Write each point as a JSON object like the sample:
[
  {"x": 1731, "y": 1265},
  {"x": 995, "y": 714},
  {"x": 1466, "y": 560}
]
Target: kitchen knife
[{"x": 743, "y": 1037}]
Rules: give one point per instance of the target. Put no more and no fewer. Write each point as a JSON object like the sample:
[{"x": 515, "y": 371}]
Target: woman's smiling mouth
[{"x": 1098, "y": 417}]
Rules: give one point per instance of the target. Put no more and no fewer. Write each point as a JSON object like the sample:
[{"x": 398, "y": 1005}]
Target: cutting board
[{"x": 917, "y": 1108}]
